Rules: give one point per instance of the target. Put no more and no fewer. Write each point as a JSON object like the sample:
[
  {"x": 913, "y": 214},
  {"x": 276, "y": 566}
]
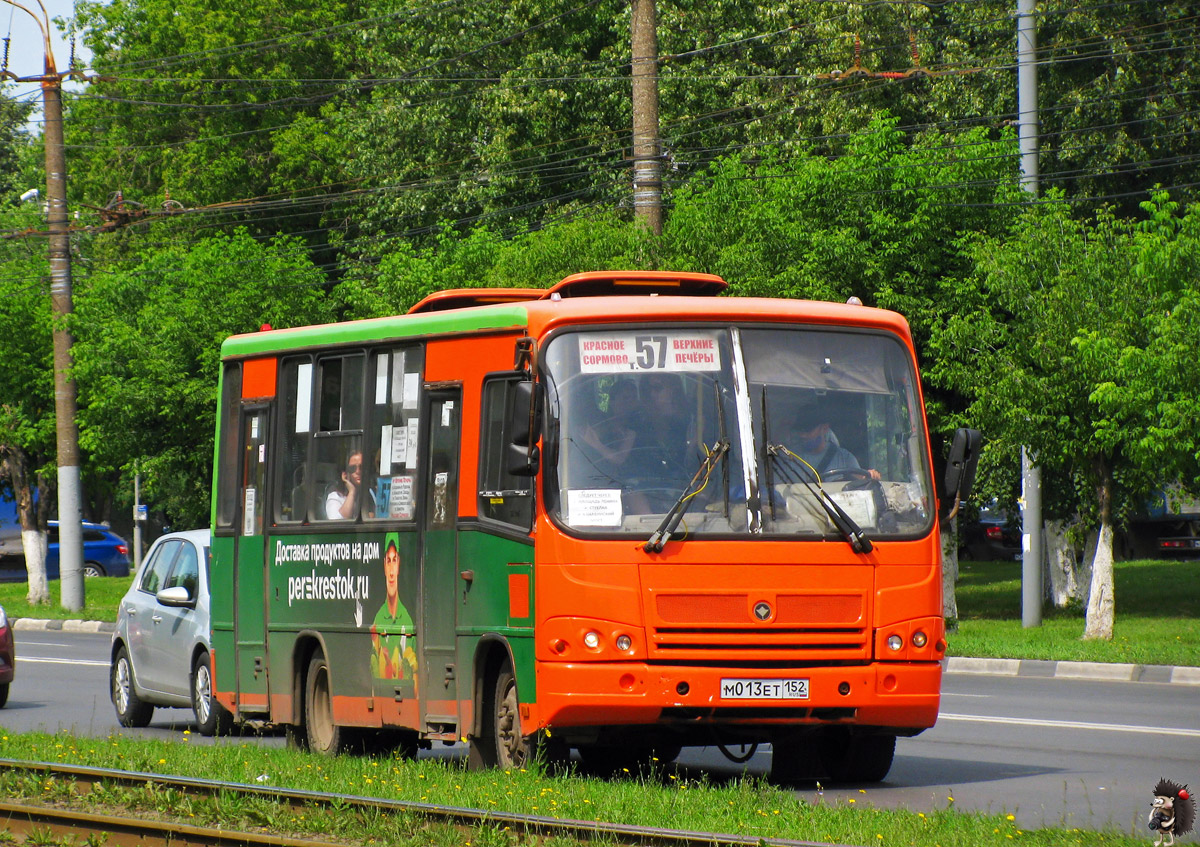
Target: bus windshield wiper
[
  {"x": 846, "y": 525},
  {"x": 674, "y": 515}
]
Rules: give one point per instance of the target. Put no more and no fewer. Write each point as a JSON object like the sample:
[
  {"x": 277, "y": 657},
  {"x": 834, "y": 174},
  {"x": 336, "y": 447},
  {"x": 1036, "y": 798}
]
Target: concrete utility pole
[
  {"x": 1031, "y": 474},
  {"x": 647, "y": 153},
  {"x": 70, "y": 500}
]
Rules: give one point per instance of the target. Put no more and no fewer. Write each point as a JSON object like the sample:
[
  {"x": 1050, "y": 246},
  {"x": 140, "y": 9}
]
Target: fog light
[
  {"x": 591, "y": 640},
  {"x": 558, "y": 646},
  {"x": 843, "y": 688},
  {"x": 919, "y": 638},
  {"x": 895, "y": 642},
  {"x": 682, "y": 689},
  {"x": 624, "y": 642}
]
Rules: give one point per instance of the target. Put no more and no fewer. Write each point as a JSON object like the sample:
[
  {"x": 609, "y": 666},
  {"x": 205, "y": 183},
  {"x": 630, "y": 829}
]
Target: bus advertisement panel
[{"x": 585, "y": 518}]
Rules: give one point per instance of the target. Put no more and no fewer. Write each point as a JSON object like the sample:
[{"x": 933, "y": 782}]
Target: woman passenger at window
[{"x": 342, "y": 501}]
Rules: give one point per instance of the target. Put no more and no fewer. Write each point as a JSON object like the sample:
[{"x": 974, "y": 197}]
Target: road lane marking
[
  {"x": 34, "y": 660},
  {"x": 1052, "y": 724}
]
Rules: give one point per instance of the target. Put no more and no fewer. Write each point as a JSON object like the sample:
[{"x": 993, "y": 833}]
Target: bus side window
[
  {"x": 503, "y": 496},
  {"x": 338, "y": 441},
  {"x": 296, "y": 391},
  {"x": 390, "y": 444},
  {"x": 227, "y": 476}
]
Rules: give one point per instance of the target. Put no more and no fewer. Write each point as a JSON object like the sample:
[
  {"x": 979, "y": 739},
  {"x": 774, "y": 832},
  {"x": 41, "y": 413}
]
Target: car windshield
[{"x": 783, "y": 417}]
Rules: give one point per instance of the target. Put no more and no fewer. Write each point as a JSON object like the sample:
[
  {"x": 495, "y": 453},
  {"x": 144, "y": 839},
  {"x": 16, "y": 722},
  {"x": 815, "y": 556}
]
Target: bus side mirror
[
  {"x": 960, "y": 470},
  {"x": 524, "y": 427}
]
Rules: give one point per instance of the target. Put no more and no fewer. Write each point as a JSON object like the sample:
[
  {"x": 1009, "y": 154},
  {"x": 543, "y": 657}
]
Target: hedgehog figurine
[{"x": 1173, "y": 812}]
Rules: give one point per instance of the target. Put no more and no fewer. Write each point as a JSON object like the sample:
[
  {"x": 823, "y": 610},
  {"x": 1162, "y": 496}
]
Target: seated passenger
[{"x": 341, "y": 503}]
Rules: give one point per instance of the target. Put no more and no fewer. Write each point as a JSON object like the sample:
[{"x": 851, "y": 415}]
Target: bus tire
[
  {"x": 211, "y": 717},
  {"x": 512, "y": 749},
  {"x": 131, "y": 710},
  {"x": 321, "y": 734},
  {"x": 853, "y": 757},
  {"x": 794, "y": 761}
]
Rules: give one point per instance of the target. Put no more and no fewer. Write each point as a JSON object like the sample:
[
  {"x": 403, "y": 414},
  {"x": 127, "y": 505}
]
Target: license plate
[{"x": 764, "y": 689}]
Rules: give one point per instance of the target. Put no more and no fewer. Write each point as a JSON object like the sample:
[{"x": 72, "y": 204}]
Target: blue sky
[{"x": 25, "y": 53}]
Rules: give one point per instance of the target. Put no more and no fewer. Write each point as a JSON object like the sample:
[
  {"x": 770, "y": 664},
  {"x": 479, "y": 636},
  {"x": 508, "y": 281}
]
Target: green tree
[
  {"x": 1074, "y": 306},
  {"x": 148, "y": 352},
  {"x": 27, "y": 430}
]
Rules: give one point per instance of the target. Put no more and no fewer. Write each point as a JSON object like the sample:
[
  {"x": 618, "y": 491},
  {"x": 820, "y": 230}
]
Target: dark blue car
[{"x": 104, "y": 552}]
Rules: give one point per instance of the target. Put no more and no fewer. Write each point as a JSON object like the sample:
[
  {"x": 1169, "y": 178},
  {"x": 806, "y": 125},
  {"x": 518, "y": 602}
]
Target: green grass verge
[
  {"x": 100, "y": 594},
  {"x": 1157, "y": 604},
  {"x": 748, "y": 806}
]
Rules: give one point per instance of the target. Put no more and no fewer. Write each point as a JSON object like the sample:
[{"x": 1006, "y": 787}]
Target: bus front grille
[{"x": 749, "y": 643}]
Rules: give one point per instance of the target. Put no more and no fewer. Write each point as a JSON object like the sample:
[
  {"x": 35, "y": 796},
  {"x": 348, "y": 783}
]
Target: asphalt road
[{"x": 1052, "y": 752}]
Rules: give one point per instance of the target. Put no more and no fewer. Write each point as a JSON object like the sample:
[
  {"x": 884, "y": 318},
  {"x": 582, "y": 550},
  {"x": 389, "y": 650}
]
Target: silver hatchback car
[{"x": 160, "y": 650}]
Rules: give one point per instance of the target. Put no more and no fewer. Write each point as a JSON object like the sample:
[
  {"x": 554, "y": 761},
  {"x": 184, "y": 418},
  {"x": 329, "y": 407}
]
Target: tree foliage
[
  {"x": 148, "y": 350},
  {"x": 1079, "y": 315}
]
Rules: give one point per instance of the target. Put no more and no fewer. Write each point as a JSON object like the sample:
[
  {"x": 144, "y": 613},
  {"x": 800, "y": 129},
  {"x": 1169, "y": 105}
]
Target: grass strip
[
  {"x": 748, "y": 806},
  {"x": 1157, "y": 604},
  {"x": 101, "y": 596}
]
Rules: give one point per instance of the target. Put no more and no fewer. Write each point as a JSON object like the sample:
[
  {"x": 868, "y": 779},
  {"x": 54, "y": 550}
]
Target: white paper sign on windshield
[
  {"x": 594, "y": 507},
  {"x": 673, "y": 351}
]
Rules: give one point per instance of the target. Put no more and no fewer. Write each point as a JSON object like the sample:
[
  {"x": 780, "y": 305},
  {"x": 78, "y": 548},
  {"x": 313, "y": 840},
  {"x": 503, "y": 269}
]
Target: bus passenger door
[
  {"x": 249, "y": 567},
  {"x": 438, "y": 674}
]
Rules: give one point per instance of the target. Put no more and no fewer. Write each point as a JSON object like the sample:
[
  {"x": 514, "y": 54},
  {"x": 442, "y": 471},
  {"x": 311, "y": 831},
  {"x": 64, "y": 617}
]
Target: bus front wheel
[
  {"x": 512, "y": 748},
  {"x": 321, "y": 733},
  {"x": 856, "y": 757}
]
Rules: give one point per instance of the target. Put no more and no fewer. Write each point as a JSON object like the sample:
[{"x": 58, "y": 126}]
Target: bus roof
[{"x": 536, "y": 317}]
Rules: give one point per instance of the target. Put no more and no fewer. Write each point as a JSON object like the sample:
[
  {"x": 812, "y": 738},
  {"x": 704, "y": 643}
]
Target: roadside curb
[
  {"x": 39, "y": 625},
  {"x": 1102, "y": 671}
]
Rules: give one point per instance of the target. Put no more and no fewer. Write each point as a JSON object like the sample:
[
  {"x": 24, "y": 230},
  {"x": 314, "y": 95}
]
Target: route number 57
[{"x": 651, "y": 351}]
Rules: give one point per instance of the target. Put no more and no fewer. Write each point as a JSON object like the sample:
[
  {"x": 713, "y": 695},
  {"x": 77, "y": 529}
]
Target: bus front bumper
[{"x": 900, "y": 695}]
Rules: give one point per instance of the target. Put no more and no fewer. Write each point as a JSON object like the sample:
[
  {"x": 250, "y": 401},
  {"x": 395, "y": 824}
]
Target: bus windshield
[{"x": 754, "y": 428}]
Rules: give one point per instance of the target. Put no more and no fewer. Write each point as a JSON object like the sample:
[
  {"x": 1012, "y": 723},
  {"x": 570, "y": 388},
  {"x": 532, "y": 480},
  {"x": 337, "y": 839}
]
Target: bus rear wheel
[{"x": 321, "y": 733}]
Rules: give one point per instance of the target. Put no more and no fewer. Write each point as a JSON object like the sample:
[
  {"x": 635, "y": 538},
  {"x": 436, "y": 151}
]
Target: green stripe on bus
[{"x": 377, "y": 329}]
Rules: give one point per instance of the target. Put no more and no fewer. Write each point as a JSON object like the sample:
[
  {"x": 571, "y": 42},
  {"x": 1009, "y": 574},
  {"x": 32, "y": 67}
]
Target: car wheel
[
  {"x": 211, "y": 716},
  {"x": 131, "y": 710},
  {"x": 3, "y": 693},
  {"x": 92, "y": 569}
]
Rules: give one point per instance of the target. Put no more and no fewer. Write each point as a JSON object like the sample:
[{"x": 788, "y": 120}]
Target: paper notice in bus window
[
  {"x": 303, "y": 396},
  {"x": 412, "y": 444},
  {"x": 400, "y": 498},
  {"x": 859, "y": 505},
  {"x": 248, "y": 521},
  {"x": 594, "y": 507},
  {"x": 411, "y": 385},
  {"x": 673, "y": 352},
  {"x": 381, "y": 379},
  {"x": 398, "y": 436},
  {"x": 385, "y": 451}
]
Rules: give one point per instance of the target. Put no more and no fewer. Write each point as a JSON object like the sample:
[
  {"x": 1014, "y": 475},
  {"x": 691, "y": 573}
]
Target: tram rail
[{"x": 142, "y": 832}]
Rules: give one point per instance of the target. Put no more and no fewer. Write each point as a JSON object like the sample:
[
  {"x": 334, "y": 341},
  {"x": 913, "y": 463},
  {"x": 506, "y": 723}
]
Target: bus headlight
[
  {"x": 624, "y": 642},
  {"x": 919, "y": 639},
  {"x": 591, "y": 639},
  {"x": 894, "y": 643}
]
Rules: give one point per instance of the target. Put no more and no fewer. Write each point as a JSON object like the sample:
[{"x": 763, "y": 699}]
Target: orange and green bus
[{"x": 621, "y": 515}]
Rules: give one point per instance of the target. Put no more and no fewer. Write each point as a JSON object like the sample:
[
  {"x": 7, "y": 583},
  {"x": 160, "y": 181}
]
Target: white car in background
[{"x": 160, "y": 650}]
